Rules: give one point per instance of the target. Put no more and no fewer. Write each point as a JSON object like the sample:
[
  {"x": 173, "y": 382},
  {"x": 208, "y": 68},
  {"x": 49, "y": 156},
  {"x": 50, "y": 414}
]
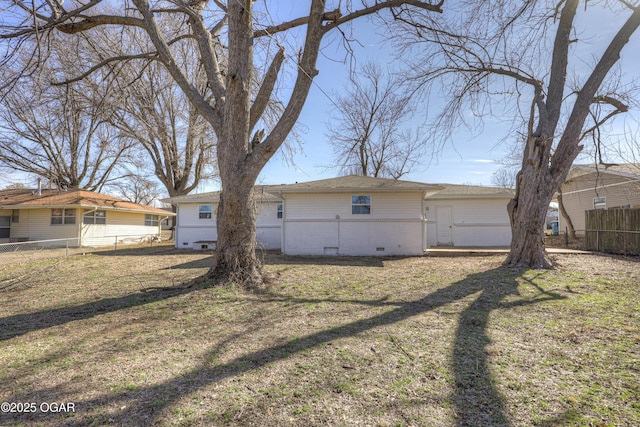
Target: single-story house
[
  {"x": 357, "y": 215},
  {"x": 468, "y": 215},
  {"x": 196, "y": 220},
  {"x": 85, "y": 217},
  {"x": 599, "y": 187}
]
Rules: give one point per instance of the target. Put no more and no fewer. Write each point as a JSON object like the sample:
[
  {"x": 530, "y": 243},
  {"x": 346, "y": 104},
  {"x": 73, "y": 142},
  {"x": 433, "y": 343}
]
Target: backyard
[{"x": 122, "y": 338}]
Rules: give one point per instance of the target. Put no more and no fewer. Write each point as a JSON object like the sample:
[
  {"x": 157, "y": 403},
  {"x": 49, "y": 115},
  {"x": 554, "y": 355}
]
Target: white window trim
[
  {"x": 361, "y": 204},
  {"x": 64, "y": 216}
]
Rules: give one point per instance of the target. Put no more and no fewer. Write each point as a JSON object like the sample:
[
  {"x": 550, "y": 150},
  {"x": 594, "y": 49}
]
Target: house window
[
  {"x": 279, "y": 210},
  {"x": 94, "y": 217},
  {"x": 5, "y": 227},
  {"x": 205, "y": 211},
  {"x": 15, "y": 216},
  {"x": 63, "y": 216},
  {"x": 151, "y": 220},
  {"x": 600, "y": 203},
  {"x": 360, "y": 205}
]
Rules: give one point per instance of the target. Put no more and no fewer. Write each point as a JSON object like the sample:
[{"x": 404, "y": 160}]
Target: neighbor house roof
[
  {"x": 30, "y": 199},
  {"x": 451, "y": 191},
  {"x": 629, "y": 170},
  {"x": 353, "y": 183}
]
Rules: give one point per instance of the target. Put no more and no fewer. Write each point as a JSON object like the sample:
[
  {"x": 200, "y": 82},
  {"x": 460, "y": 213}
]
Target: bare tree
[
  {"x": 524, "y": 53},
  {"x": 60, "y": 132},
  {"x": 231, "y": 43},
  {"x": 137, "y": 189},
  {"x": 504, "y": 177},
  {"x": 366, "y": 136},
  {"x": 174, "y": 142}
]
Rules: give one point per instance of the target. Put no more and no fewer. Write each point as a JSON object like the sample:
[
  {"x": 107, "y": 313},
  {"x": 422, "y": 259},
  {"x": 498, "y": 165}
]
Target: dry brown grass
[{"x": 335, "y": 341}]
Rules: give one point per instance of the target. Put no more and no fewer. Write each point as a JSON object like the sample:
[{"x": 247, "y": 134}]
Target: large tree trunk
[
  {"x": 236, "y": 260},
  {"x": 528, "y": 209}
]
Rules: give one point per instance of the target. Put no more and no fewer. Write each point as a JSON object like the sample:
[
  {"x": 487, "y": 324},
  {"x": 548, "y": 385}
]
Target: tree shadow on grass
[
  {"x": 20, "y": 324},
  {"x": 476, "y": 398}
]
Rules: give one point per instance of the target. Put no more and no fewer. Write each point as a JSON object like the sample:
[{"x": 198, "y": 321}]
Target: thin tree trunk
[{"x": 565, "y": 215}]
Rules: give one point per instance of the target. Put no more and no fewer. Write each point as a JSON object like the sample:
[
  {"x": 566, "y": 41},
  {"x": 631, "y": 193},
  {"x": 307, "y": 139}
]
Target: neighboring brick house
[{"x": 599, "y": 187}]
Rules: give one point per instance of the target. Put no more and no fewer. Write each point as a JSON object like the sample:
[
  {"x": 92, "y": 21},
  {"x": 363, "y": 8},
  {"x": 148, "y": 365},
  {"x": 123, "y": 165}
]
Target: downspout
[
  {"x": 424, "y": 223},
  {"x": 282, "y": 224},
  {"x": 160, "y": 219},
  {"x": 81, "y": 224},
  {"x": 176, "y": 227}
]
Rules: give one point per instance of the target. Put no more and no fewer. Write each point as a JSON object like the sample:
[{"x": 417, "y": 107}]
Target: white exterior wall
[
  {"x": 190, "y": 228},
  {"x": 123, "y": 227},
  {"x": 322, "y": 224},
  {"x": 128, "y": 227},
  {"x": 35, "y": 224},
  {"x": 474, "y": 222}
]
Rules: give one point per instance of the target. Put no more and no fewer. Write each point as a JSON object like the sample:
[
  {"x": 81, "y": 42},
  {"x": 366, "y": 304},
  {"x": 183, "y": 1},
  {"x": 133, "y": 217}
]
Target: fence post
[
  {"x": 67, "y": 249},
  {"x": 116, "y": 243},
  {"x": 566, "y": 237}
]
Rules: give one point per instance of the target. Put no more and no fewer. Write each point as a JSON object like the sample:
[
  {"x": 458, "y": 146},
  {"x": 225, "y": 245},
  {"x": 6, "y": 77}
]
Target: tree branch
[{"x": 266, "y": 89}]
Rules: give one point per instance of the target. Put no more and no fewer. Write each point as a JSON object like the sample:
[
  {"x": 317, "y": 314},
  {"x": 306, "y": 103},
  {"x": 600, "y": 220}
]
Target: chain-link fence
[{"x": 15, "y": 251}]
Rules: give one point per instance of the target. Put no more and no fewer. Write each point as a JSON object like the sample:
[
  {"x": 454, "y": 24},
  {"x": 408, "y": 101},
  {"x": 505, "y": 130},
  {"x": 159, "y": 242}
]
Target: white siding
[
  {"x": 475, "y": 222},
  {"x": 322, "y": 224},
  {"x": 35, "y": 224},
  {"x": 190, "y": 228},
  {"x": 328, "y": 205},
  {"x": 120, "y": 227}
]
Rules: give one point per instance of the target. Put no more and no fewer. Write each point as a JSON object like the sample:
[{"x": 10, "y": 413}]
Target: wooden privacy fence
[{"x": 613, "y": 230}]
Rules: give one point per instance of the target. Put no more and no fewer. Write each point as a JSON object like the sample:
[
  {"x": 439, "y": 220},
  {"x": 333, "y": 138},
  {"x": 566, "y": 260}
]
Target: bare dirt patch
[{"x": 335, "y": 341}]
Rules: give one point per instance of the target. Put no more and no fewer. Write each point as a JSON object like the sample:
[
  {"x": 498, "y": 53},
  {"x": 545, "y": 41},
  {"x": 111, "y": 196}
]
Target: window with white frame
[
  {"x": 205, "y": 211},
  {"x": 360, "y": 205},
  {"x": 63, "y": 216},
  {"x": 279, "y": 210},
  {"x": 151, "y": 220},
  {"x": 94, "y": 217},
  {"x": 600, "y": 203}
]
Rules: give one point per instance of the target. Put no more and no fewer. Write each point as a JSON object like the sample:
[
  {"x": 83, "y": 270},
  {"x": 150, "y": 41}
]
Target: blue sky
[{"x": 469, "y": 159}]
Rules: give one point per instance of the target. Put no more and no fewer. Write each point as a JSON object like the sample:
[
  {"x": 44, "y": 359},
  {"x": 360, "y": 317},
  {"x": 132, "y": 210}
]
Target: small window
[
  {"x": 205, "y": 211},
  {"x": 279, "y": 210},
  {"x": 360, "y": 205},
  {"x": 151, "y": 220},
  {"x": 63, "y": 216},
  {"x": 600, "y": 203},
  {"x": 15, "y": 216},
  {"x": 94, "y": 217}
]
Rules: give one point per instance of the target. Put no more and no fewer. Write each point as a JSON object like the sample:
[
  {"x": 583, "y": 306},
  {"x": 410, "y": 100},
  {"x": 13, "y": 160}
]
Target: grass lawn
[{"x": 334, "y": 341}]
